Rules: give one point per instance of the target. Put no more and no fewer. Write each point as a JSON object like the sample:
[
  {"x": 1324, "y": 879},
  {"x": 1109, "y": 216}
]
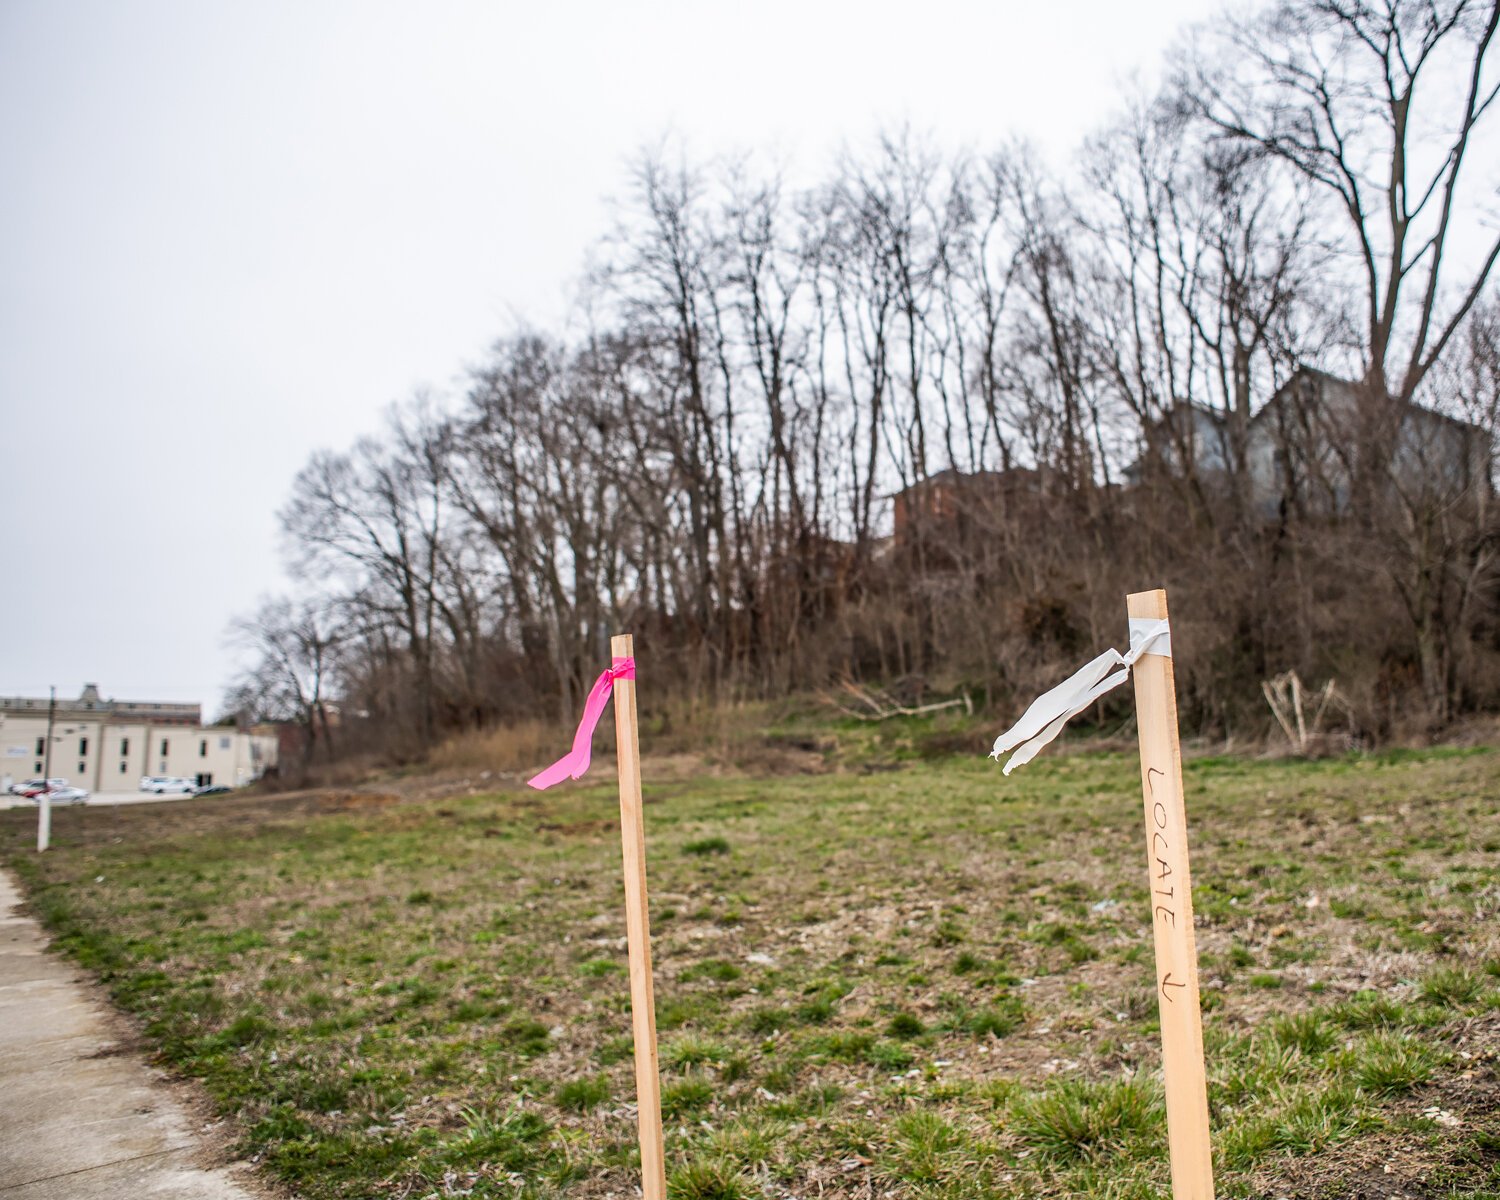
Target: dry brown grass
[
  {"x": 516, "y": 747},
  {"x": 688, "y": 739}
]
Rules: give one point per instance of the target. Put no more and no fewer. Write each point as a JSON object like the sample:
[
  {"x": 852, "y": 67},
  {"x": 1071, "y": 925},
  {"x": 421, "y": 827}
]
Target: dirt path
[{"x": 84, "y": 1119}]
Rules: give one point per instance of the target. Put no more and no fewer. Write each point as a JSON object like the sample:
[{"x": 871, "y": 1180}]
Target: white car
[
  {"x": 63, "y": 795},
  {"x": 164, "y": 785}
]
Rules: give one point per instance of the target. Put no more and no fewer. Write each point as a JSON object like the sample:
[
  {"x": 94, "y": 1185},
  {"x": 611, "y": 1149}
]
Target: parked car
[
  {"x": 63, "y": 795},
  {"x": 31, "y": 788},
  {"x": 212, "y": 789},
  {"x": 162, "y": 785}
]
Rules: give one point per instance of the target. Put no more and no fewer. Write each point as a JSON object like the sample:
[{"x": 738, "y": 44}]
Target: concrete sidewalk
[{"x": 81, "y": 1119}]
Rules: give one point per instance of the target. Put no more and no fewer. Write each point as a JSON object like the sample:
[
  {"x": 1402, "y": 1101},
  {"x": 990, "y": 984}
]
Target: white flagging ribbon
[{"x": 1050, "y": 711}]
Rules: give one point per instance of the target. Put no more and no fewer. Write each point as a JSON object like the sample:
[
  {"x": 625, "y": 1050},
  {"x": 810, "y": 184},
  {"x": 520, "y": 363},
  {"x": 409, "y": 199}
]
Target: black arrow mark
[{"x": 1166, "y": 982}]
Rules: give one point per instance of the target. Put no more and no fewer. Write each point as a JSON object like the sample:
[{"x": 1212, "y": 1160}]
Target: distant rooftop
[{"x": 91, "y": 703}]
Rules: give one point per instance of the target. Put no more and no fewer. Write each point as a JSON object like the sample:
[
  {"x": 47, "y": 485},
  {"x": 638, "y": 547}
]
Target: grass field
[{"x": 923, "y": 981}]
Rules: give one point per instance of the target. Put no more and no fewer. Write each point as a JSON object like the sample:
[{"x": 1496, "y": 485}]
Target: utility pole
[{"x": 44, "y": 801}]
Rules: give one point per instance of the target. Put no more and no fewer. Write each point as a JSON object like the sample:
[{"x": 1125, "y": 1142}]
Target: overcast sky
[{"x": 232, "y": 233}]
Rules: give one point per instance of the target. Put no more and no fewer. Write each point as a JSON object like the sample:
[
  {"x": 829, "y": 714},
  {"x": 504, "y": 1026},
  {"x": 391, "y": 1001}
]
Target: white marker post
[
  {"x": 1172, "y": 912},
  {"x": 44, "y": 801},
  {"x": 43, "y": 821}
]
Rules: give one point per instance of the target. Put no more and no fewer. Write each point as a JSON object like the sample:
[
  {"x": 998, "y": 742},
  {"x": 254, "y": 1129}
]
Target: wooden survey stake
[
  {"x": 638, "y": 931},
  {"x": 1172, "y": 914}
]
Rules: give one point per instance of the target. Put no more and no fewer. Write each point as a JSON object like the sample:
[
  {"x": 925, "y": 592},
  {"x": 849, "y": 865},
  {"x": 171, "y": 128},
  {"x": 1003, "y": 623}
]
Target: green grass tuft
[
  {"x": 922, "y": 1149},
  {"x": 581, "y": 1095},
  {"x": 1078, "y": 1119},
  {"x": 1391, "y": 1063},
  {"x": 693, "y": 1050},
  {"x": 707, "y": 1179},
  {"x": 1308, "y": 1033},
  {"x": 686, "y": 1097},
  {"x": 716, "y": 969},
  {"x": 1451, "y": 986},
  {"x": 999, "y": 1020}
]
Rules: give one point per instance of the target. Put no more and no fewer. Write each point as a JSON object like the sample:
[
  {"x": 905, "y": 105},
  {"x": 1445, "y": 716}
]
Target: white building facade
[{"x": 108, "y": 745}]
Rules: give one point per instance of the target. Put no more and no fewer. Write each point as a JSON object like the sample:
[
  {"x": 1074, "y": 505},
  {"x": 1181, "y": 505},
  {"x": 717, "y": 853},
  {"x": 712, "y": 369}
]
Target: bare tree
[
  {"x": 867, "y": 427},
  {"x": 536, "y": 467},
  {"x": 1378, "y": 106},
  {"x": 1208, "y": 269},
  {"x": 295, "y": 644},
  {"x": 1054, "y": 372},
  {"x": 378, "y": 514},
  {"x": 667, "y": 278}
]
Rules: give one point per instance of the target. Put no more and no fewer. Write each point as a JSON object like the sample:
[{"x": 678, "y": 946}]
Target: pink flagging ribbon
[{"x": 575, "y": 762}]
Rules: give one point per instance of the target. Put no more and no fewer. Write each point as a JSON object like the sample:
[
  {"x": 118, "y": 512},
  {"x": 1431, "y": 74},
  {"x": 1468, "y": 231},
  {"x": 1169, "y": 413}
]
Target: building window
[
  {"x": 82, "y": 769},
  {"x": 41, "y": 748},
  {"x": 124, "y": 747},
  {"x": 164, "y": 746},
  {"x": 223, "y": 743},
  {"x": 37, "y": 768},
  {"x": 83, "y": 747},
  {"x": 203, "y": 748},
  {"x": 122, "y": 768}
]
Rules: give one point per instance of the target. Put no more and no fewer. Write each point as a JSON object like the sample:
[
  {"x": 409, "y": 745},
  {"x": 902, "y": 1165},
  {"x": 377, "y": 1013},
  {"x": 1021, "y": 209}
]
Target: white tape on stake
[
  {"x": 1151, "y": 636},
  {"x": 1049, "y": 712}
]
